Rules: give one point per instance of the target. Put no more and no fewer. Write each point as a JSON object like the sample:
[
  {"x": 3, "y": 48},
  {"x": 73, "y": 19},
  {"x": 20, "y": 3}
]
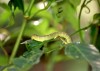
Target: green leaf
[
  {"x": 84, "y": 51},
  {"x": 6, "y": 15},
  {"x": 70, "y": 15},
  {"x": 75, "y": 3},
  {"x": 3, "y": 60},
  {"x": 29, "y": 58},
  {"x": 16, "y": 3},
  {"x": 32, "y": 44},
  {"x": 1, "y": 67},
  {"x": 4, "y": 6},
  {"x": 93, "y": 32},
  {"x": 96, "y": 18},
  {"x": 26, "y": 61}
]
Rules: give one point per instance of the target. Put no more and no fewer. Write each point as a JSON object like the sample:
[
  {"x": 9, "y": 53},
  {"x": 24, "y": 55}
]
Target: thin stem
[
  {"x": 51, "y": 62},
  {"x": 81, "y": 29},
  {"x": 29, "y": 8},
  {"x": 95, "y": 35},
  {"x": 18, "y": 41},
  {"x": 41, "y": 10},
  {"x": 5, "y": 52},
  {"x": 98, "y": 2},
  {"x": 21, "y": 32},
  {"x": 44, "y": 3},
  {"x": 79, "y": 18}
]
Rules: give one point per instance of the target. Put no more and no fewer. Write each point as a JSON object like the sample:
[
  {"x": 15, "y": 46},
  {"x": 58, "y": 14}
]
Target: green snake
[{"x": 63, "y": 36}]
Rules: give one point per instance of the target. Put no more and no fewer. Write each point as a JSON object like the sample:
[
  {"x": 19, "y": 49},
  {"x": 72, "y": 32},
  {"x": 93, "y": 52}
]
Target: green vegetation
[{"x": 20, "y": 19}]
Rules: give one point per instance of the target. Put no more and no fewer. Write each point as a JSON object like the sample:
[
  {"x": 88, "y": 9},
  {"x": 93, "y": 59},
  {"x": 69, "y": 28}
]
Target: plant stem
[
  {"x": 29, "y": 8},
  {"x": 79, "y": 19},
  {"x": 46, "y": 7},
  {"x": 95, "y": 35},
  {"x": 5, "y": 52},
  {"x": 18, "y": 41},
  {"x": 21, "y": 32},
  {"x": 81, "y": 29},
  {"x": 98, "y": 2}
]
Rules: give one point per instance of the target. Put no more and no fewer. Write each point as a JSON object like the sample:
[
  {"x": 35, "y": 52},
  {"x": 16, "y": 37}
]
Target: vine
[
  {"x": 81, "y": 29},
  {"x": 84, "y": 4}
]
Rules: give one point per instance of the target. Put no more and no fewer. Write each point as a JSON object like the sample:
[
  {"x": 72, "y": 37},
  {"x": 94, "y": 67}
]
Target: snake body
[{"x": 54, "y": 35}]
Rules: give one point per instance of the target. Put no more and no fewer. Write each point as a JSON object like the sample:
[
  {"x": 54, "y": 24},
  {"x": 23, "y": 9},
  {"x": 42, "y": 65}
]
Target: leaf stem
[{"x": 18, "y": 41}]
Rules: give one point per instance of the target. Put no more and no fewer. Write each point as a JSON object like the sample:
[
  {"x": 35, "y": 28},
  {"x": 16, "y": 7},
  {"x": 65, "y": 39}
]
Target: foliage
[
  {"x": 22, "y": 18},
  {"x": 84, "y": 51}
]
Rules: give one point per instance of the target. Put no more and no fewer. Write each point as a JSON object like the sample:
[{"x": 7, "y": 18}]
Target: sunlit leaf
[
  {"x": 4, "y": 17},
  {"x": 84, "y": 51}
]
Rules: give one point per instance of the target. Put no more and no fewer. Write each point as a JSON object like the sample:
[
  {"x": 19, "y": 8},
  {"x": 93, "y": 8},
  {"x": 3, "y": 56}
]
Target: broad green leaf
[
  {"x": 32, "y": 44},
  {"x": 26, "y": 61},
  {"x": 84, "y": 51},
  {"x": 16, "y": 3},
  {"x": 29, "y": 58}
]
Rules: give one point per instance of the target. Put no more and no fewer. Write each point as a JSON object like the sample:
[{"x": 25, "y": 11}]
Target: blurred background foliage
[{"x": 60, "y": 15}]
